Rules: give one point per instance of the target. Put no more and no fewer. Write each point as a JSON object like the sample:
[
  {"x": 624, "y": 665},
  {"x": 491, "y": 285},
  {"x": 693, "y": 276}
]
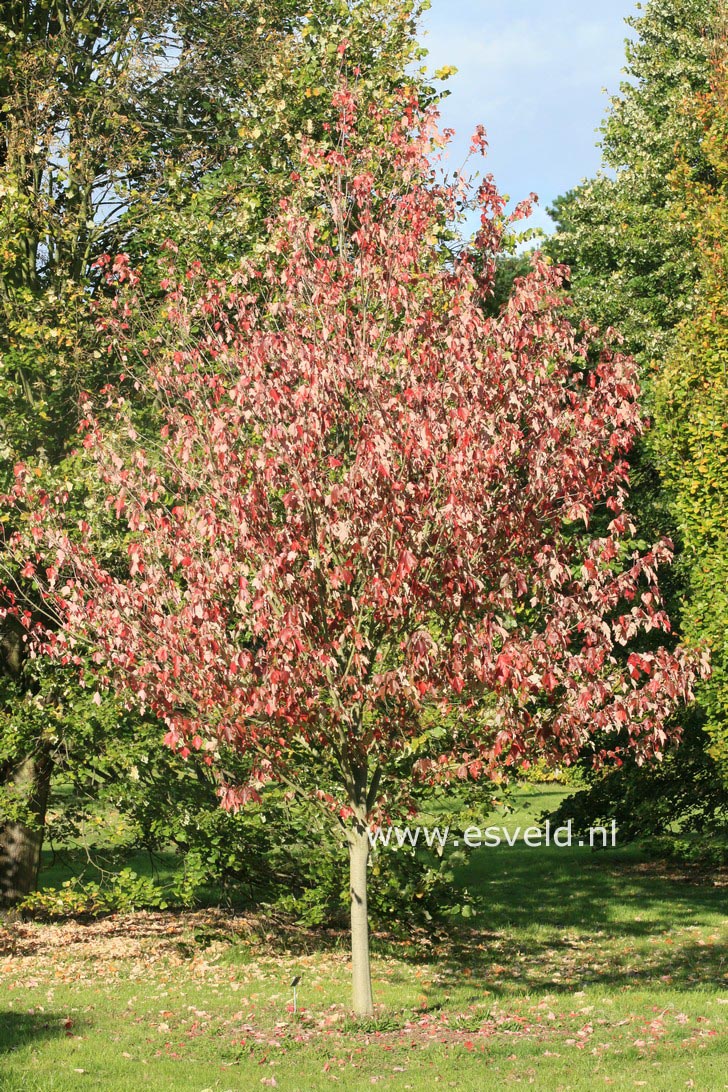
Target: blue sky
[{"x": 534, "y": 73}]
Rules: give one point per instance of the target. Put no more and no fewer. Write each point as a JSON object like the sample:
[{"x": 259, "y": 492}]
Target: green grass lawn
[{"x": 580, "y": 970}]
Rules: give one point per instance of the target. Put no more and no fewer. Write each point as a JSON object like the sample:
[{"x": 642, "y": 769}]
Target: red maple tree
[{"x": 358, "y": 549}]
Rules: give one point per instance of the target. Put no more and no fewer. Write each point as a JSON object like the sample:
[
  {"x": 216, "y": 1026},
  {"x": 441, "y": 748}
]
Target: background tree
[
  {"x": 691, "y": 408},
  {"x": 358, "y": 555},
  {"x": 632, "y": 256},
  {"x": 636, "y": 263},
  {"x": 98, "y": 102}
]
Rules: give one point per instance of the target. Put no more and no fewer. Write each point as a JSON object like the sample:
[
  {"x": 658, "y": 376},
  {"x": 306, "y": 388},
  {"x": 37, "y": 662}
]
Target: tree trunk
[
  {"x": 20, "y": 843},
  {"x": 361, "y": 973}
]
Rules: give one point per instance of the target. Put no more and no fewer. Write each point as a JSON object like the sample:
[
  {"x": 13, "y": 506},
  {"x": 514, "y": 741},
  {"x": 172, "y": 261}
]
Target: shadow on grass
[
  {"x": 19, "y": 1029},
  {"x": 545, "y": 968},
  {"x": 519, "y": 887},
  {"x": 560, "y": 919}
]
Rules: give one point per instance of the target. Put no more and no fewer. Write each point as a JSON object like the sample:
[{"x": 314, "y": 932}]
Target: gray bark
[{"x": 362, "y": 1002}]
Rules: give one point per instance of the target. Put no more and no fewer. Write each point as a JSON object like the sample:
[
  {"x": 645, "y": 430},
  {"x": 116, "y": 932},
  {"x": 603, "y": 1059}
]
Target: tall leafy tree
[
  {"x": 358, "y": 551},
  {"x": 691, "y": 407},
  {"x": 636, "y": 264}
]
